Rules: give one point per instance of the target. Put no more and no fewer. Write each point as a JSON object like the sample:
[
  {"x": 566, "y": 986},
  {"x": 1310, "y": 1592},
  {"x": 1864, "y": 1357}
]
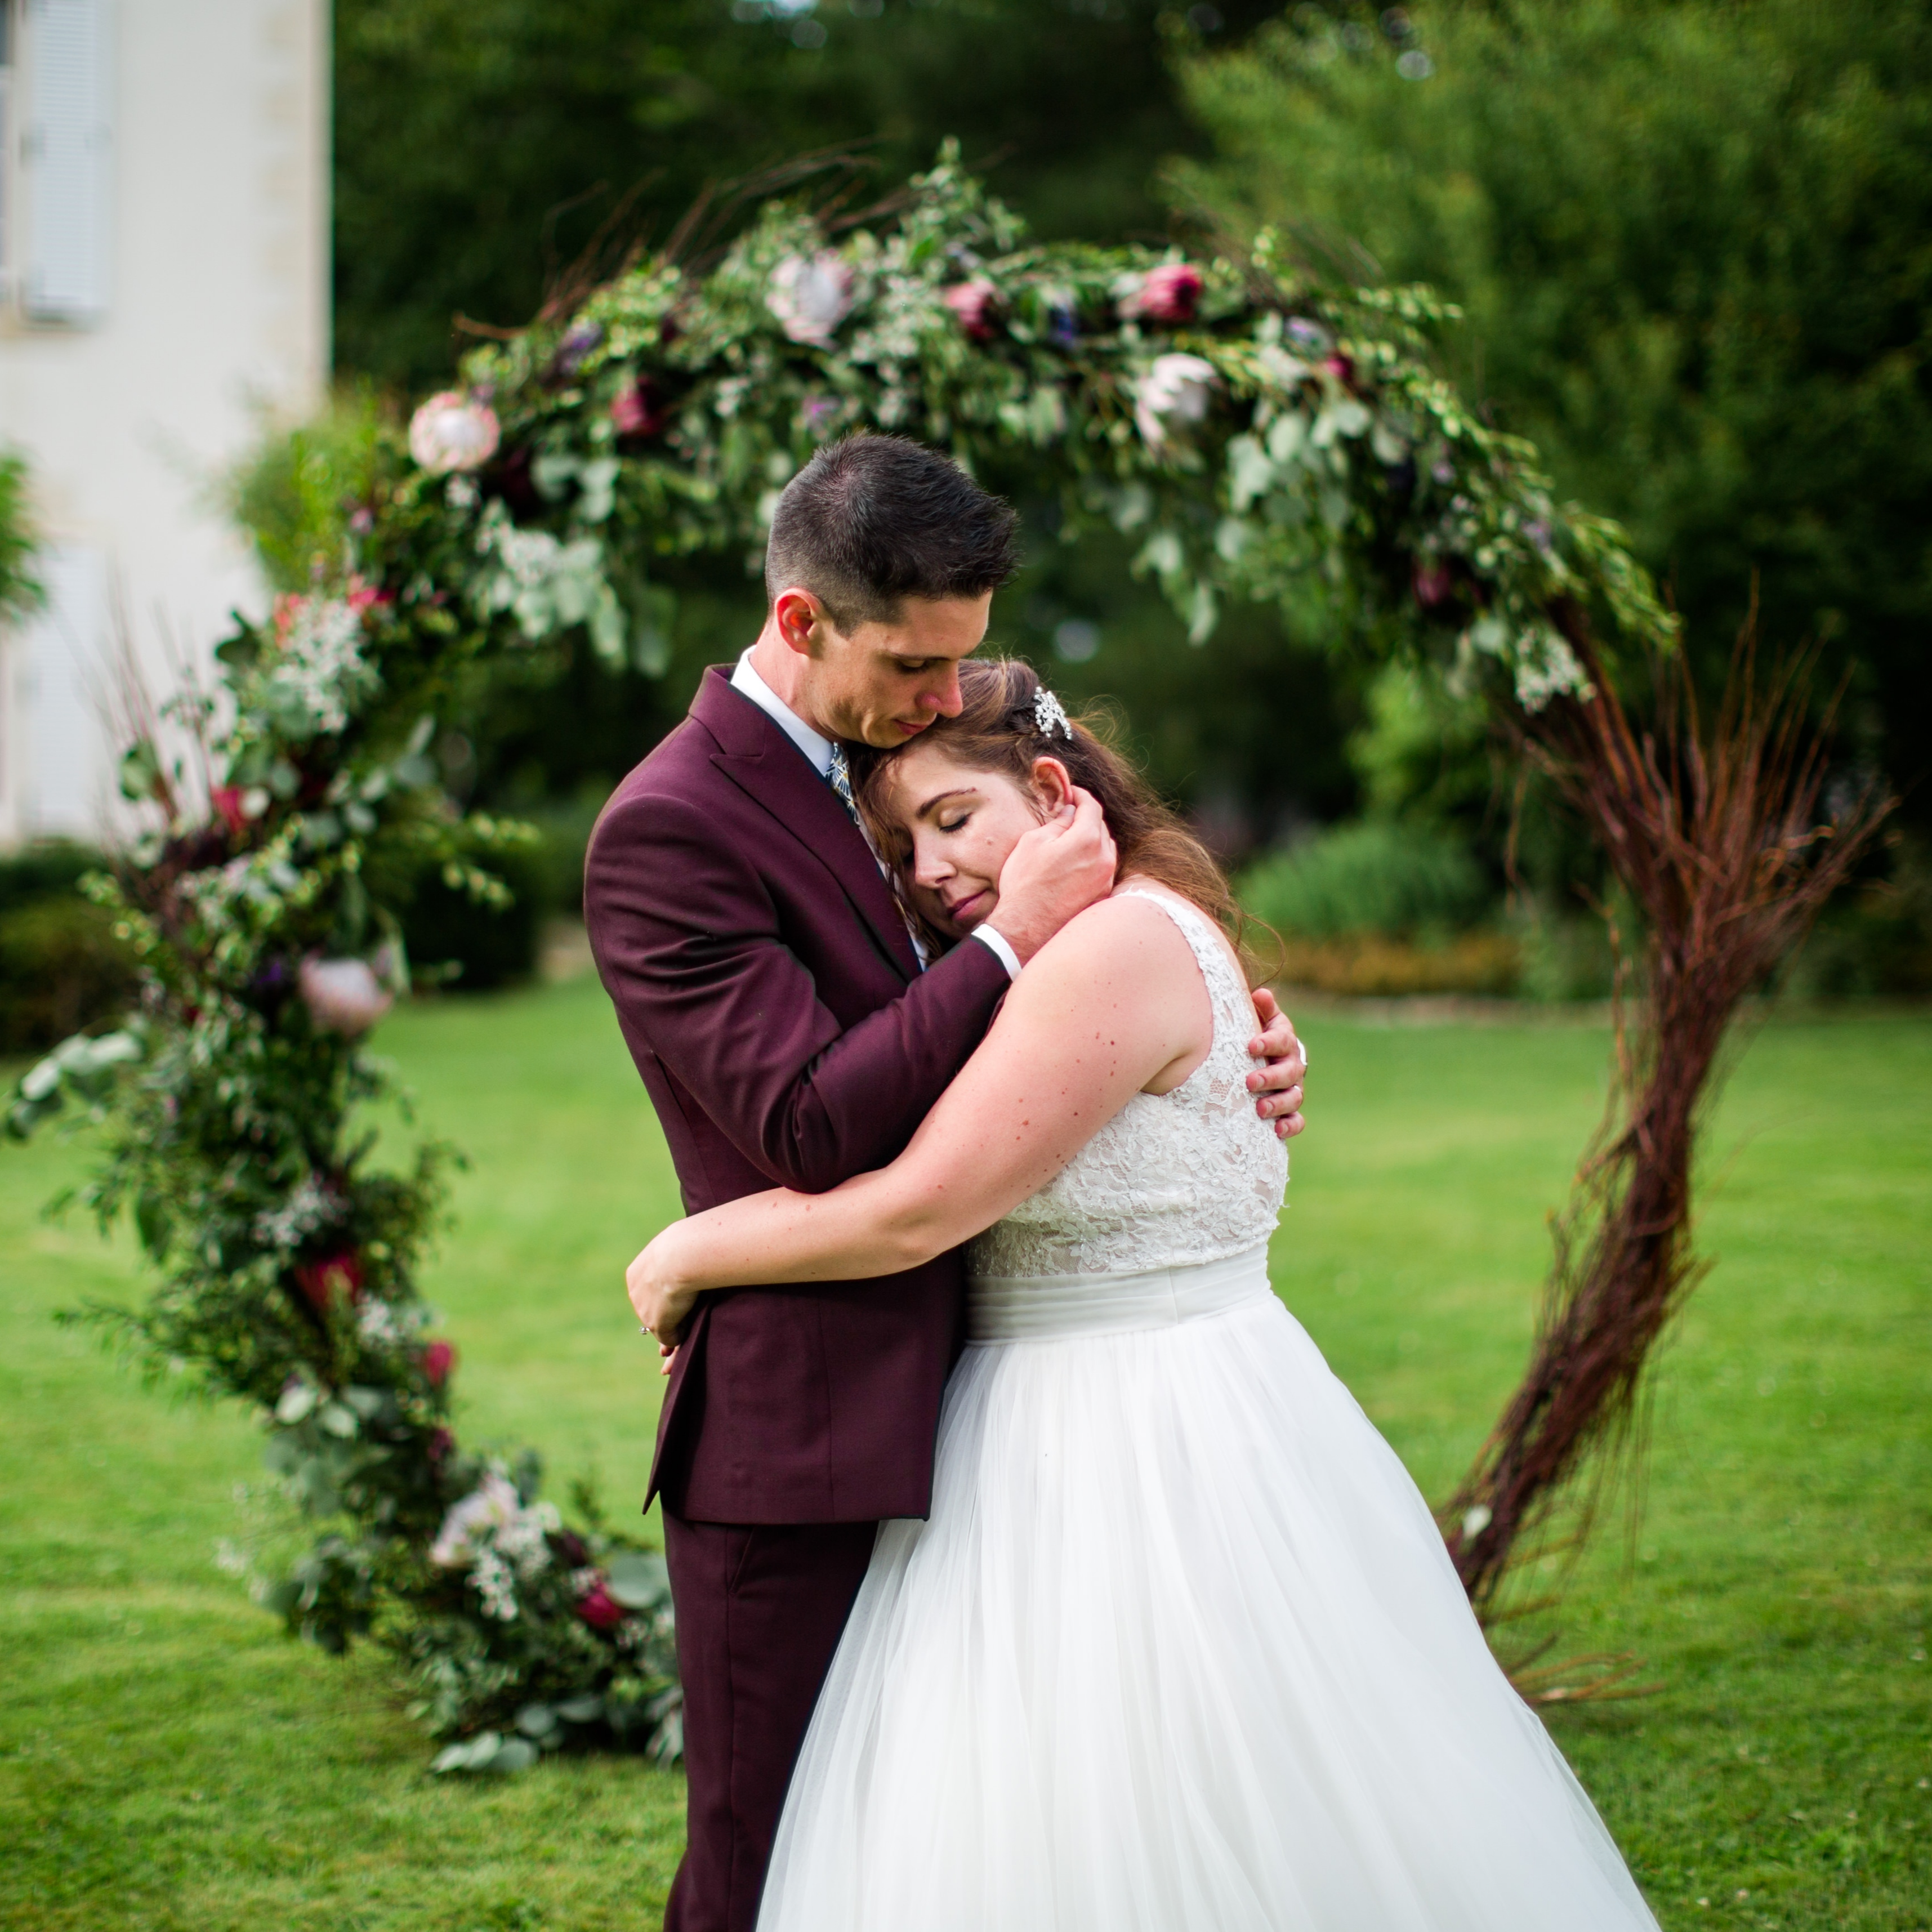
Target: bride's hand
[{"x": 662, "y": 1299}]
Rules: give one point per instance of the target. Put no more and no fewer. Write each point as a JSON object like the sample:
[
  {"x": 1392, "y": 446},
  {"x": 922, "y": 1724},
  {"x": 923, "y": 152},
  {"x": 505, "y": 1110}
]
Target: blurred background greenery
[{"x": 1689, "y": 237}]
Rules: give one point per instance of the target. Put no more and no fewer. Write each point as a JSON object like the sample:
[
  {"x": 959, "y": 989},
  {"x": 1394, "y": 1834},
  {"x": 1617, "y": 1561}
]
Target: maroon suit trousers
[
  {"x": 769, "y": 991},
  {"x": 759, "y": 1609}
]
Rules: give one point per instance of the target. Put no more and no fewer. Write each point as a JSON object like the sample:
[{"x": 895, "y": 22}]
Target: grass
[{"x": 168, "y": 1760}]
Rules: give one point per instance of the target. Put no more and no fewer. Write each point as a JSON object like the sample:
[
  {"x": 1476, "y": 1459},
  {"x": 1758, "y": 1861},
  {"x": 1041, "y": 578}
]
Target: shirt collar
[{"x": 816, "y": 746}]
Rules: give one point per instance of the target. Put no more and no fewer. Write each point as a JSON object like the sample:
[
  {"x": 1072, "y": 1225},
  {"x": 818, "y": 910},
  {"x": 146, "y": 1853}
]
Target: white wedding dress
[{"x": 1179, "y": 1648}]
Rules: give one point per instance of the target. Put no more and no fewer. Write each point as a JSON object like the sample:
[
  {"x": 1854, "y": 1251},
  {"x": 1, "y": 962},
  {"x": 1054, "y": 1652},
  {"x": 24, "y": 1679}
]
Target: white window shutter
[{"x": 68, "y": 159}]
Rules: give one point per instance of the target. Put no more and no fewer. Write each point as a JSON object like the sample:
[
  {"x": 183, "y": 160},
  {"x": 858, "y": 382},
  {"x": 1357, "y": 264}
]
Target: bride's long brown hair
[{"x": 997, "y": 730}]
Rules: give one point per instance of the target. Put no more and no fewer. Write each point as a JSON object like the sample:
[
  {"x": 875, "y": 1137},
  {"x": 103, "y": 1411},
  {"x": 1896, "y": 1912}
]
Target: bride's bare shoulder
[{"x": 1126, "y": 934}]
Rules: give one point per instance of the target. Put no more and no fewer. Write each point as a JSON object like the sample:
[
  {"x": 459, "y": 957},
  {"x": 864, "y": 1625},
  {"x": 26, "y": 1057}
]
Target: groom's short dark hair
[{"x": 873, "y": 519}]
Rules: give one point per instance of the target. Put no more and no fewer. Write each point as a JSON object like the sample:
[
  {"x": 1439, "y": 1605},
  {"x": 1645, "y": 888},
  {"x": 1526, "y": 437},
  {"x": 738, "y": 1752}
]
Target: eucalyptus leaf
[
  {"x": 637, "y": 1579},
  {"x": 536, "y": 1720},
  {"x": 295, "y": 1401}
]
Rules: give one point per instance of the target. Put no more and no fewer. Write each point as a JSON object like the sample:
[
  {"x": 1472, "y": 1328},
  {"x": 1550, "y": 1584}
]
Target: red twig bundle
[{"x": 1716, "y": 832}]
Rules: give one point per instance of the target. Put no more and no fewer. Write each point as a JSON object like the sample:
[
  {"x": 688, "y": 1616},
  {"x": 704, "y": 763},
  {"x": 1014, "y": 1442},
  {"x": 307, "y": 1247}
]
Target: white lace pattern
[{"x": 1169, "y": 1182}]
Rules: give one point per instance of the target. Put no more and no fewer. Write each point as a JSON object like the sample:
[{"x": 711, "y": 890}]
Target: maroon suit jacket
[{"x": 767, "y": 989}]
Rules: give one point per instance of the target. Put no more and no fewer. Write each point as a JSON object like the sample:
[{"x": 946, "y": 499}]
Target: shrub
[
  {"x": 476, "y": 948},
  {"x": 491, "y": 947},
  {"x": 1485, "y": 964},
  {"x": 45, "y": 869},
  {"x": 1687, "y": 241},
  {"x": 1878, "y": 942},
  {"x": 1379, "y": 877},
  {"x": 61, "y": 969},
  {"x": 1567, "y": 956},
  {"x": 295, "y": 491}
]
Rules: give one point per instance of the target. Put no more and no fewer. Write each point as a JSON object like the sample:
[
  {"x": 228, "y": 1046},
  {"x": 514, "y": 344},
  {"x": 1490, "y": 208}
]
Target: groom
[{"x": 788, "y": 1034}]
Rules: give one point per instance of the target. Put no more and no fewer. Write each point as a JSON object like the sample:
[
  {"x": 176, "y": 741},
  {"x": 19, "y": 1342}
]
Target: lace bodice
[{"x": 1174, "y": 1179}]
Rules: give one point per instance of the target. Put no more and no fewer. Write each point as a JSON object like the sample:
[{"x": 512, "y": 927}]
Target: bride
[{"x": 1179, "y": 1648}]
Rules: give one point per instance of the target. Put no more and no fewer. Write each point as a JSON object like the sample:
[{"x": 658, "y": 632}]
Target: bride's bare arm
[{"x": 1103, "y": 1008}]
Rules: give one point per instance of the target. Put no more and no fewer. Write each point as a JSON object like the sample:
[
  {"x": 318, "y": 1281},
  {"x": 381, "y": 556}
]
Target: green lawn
[{"x": 168, "y": 1760}]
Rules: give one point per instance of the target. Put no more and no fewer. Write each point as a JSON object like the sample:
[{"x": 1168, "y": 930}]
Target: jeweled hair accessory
[{"x": 1049, "y": 714}]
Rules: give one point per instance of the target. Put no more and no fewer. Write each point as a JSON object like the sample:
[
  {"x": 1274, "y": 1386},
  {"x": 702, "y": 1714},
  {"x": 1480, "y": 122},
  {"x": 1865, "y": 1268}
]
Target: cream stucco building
[{"x": 164, "y": 280}]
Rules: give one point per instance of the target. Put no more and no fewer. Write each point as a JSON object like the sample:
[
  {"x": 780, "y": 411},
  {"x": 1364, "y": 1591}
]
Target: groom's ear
[{"x": 797, "y": 613}]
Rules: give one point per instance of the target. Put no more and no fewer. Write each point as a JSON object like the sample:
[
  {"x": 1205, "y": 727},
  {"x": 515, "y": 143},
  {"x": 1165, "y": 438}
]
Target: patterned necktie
[
  {"x": 840, "y": 779},
  {"x": 837, "y": 775}
]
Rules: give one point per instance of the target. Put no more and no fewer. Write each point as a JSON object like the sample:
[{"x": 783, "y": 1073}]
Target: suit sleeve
[{"x": 688, "y": 941}]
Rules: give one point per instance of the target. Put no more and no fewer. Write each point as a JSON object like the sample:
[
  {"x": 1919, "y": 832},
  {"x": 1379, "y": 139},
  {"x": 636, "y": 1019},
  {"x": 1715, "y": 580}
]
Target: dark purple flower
[
  {"x": 275, "y": 980},
  {"x": 1063, "y": 326},
  {"x": 1342, "y": 369},
  {"x": 1434, "y": 583},
  {"x": 639, "y": 409},
  {"x": 599, "y": 1609},
  {"x": 510, "y": 480},
  {"x": 332, "y": 1276},
  {"x": 578, "y": 343},
  {"x": 227, "y": 800}
]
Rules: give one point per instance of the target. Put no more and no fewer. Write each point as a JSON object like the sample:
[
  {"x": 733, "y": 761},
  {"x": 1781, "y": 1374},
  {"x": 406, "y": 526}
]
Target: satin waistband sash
[{"x": 1043, "y": 1308}]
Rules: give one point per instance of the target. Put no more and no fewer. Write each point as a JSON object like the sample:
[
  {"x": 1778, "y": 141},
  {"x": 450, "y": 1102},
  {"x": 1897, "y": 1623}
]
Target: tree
[
  {"x": 479, "y": 146},
  {"x": 1690, "y": 241},
  {"x": 479, "y": 143}
]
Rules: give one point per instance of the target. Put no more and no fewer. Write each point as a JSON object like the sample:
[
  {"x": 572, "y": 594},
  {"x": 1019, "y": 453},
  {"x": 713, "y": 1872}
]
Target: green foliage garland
[{"x": 1257, "y": 437}]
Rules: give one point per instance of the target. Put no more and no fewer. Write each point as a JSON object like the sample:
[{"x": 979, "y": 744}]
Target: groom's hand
[
  {"x": 1278, "y": 1081},
  {"x": 1056, "y": 870}
]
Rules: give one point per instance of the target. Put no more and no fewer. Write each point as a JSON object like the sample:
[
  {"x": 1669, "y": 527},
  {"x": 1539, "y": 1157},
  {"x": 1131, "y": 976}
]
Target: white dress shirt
[{"x": 817, "y": 750}]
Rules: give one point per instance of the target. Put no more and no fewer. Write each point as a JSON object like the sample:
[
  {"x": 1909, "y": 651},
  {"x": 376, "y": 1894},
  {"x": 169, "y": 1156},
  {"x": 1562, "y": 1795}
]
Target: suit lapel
[{"x": 772, "y": 771}]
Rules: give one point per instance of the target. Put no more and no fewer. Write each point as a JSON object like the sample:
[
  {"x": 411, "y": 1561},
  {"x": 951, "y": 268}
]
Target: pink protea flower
[
  {"x": 1170, "y": 294},
  {"x": 453, "y": 432},
  {"x": 439, "y": 1358},
  {"x": 343, "y": 996},
  {"x": 975, "y": 303},
  {"x": 599, "y": 1609}
]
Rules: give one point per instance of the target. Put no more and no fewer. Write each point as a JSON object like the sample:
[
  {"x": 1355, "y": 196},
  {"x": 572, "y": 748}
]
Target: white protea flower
[
  {"x": 1176, "y": 389},
  {"x": 343, "y": 996},
  {"x": 492, "y": 1505},
  {"x": 811, "y": 295},
  {"x": 452, "y": 431}
]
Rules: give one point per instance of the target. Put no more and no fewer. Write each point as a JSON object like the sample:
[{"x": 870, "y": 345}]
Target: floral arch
[{"x": 1256, "y": 435}]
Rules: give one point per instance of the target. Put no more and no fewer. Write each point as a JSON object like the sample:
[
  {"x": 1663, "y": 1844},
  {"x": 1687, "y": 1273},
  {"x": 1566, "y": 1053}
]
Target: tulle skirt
[{"x": 1178, "y": 1650}]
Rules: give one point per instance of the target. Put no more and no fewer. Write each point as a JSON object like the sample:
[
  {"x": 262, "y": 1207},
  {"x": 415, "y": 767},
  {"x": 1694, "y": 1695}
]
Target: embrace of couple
[{"x": 1032, "y": 1572}]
